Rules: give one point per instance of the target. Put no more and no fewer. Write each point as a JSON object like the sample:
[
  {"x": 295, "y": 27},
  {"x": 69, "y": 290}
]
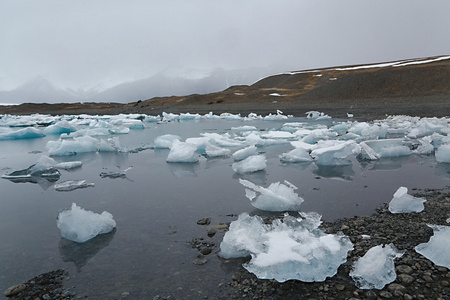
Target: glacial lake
[{"x": 157, "y": 206}]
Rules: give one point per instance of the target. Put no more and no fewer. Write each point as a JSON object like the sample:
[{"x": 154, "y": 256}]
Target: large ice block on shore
[
  {"x": 253, "y": 163},
  {"x": 376, "y": 268},
  {"x": 292, "y": 248},
  {"x": 404, "y": 203},
  {"x": 181, "y": 152},
  {"x": 277, "y": 197},
  {"x": 79, "y": 225},
  {"x": 437, "y": 248}
]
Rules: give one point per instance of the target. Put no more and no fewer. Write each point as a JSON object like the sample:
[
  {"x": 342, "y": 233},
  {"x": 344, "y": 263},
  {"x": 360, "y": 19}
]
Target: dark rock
[
  {"x": 14, "y": 290},
  {"x": 204, "y": 221}
]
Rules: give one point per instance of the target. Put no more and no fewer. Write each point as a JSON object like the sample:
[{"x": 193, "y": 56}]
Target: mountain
[
  {"x": 166, "y": 83},
  {"x": 417, "y": 87}
]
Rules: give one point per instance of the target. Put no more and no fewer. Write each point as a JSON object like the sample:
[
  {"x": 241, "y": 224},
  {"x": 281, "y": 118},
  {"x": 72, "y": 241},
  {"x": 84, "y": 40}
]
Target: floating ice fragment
[
  {"x": 69, "y": 165},
  {"x": 437, "y": 248},
  {"x": 404, "y": 203},
  {"x": 277, "y": 197},
  {"x": 251, "y": 164},
  {"x": 60, "y": 127},
  {"x": 182, "y": 152},
  {"x": 215, "y": 151},
  {"x": 79, "y": 225},
  {"x": 443, "y": 153},
  {"x": 292, "y": 248},
  {"x": 244, "y": 153},
  {"x": 295, "y": 156},
  {"x": 335, "y": 154},
  {"x": 73, "y": 146},
  {"x": 376, "y": 268},
  {"x": 165, "y": 141},
  {"x": 389, "y": 147},
  {"x": 43, "y": 168},
  {"x": 25, "y": 133},
  {"x": 117, "y": 174},
  {"x": 70, "y": 185}
]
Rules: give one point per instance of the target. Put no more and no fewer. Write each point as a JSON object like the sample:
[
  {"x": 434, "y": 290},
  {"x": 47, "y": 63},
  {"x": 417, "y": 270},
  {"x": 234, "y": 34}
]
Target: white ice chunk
[
  {"x": 182, "y": 152},
  {"x": 277, "y": 197},
  {"x": 276, "y": 134},
  {"x": 251, "y": 164},
  {"x": 368, "y": 153},
  {"x": 244, "y": 128},
  {"x": 295, "y": 156},
  {"x": 389, "y": 147},
  {"x": 215, "y": 151},
  {"x": 60, "y": 127},
  {"x": 244, "y": 153},
  {"x": 335, "y": 154},
  {"x": 165, "y": 141},
  {"x": 70, "y": 185},
  {"x": 443, "y": 153},
  {"x": 73, "y": 146},
  {"x": 79, "y": 225},
  {"x": 292, "y": 248},
  {"x": 25, "y": 133},
  {"x": 111, "y": 145},
  {"x": 316, "y": 115},
  {"x": 376, "y": 268},
  {"x": 69, "y": 165},
  {"x": 404, "y": 203},
  {"x": 437, "y": 248}
]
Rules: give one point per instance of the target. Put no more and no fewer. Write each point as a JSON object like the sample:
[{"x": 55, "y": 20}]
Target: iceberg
[
  {"x": 79, "y": 225},
  {"x": 296, "y": 155},
  {"x": 73, "y": 146},
  {"x": 244, "y": 153},
  {"x": 25, "y": 133},
  {"x": 389, "y": 147},
  {"x": 443, "y": 153},
  {"x": 253, "y": 163},
  {"x": 214, "y": 151},
  {"x": 404, "y": 203},
  {"x": 44, "y": 168},
  {"x": 335, "y": 154},
  {"x": 376, "y": 268},
  {"x": 165, "y": 141},
  {"x": 60, "y": 127},
  {"x": 277, "y": 197},
  {"x": 292, "y": 248},
  {"x": 437, "y": 248},
  {"x": 182, "y": 152},
  {"x": 70, "y": 185}
]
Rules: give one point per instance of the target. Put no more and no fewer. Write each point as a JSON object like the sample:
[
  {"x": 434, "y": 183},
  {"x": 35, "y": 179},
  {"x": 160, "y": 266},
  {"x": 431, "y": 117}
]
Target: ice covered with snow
[
  {"x": 70, "y": 185},
  {"x": 402, "y": 202},
  {"x": 277, "y": 197},
  {"x": 437, "y": 248},
  {"x": 253, "y": 163},
  {"x": 182, "y": 152},
  {"x": 79, "y": 225},
  {"x": 376, "y": 268},
  {"x": 292, "y": 248},
  {"x": 245, "y": 152}
]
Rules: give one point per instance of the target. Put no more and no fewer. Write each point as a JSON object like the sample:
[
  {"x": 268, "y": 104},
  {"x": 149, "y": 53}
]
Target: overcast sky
[{"x": 83, "y": 43}]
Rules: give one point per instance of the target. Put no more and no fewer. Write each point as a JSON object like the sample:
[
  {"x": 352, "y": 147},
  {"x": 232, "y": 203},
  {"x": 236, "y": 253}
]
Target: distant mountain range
[{"x": 41, "y": 90}]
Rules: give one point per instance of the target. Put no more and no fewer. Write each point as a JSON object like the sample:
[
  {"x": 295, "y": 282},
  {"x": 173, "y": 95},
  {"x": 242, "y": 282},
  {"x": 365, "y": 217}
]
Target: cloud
[{"x": 81, "y": 44}]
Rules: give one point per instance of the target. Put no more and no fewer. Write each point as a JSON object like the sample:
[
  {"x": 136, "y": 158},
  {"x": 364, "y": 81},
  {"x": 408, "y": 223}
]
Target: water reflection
[
  {"x": 81, "y": 253},
  {"x": 335, "y": 172},
  {"x": 258, "y": 178},
  {"x": 45, "y": 178},
  {"x": 183, "y": 169}
]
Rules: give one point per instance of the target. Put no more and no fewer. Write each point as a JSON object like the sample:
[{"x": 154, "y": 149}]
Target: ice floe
[
  {"x": 402, "y": 202},
  {"x": 437, "y": 248},
  {"x": 79, "y": 225},
  {"x": 277, "y": 197},
  {"x": 182, "y": 152},
  {"x": 253, "y": 163},
  {"x": 292, "y": 248},
  {"x": 70, "y": 185},
  {"x": 376, "y": 268}
]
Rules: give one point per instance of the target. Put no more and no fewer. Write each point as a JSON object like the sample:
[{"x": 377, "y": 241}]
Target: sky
[{"x": 81, "y": 44}]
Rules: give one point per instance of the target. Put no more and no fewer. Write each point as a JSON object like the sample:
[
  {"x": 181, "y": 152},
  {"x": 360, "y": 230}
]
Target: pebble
[
  {"x": 405, "y": 278},
  {"x": 204, "y": 221},
  {"x": 14, "y": 290},
  {"x": 404, "y": 269}
]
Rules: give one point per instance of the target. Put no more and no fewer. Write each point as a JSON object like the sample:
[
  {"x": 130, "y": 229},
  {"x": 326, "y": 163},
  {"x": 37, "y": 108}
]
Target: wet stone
[
  {"x": 404, "y": 269},
  {"x": 204, "y": 221},
  {"x": 405, "y": 278},
  {"x": 14, "y": 290}
]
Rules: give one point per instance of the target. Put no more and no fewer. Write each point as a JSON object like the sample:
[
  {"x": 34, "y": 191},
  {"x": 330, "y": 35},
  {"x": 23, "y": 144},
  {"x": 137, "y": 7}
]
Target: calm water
[{"x": 157, "y": 206}]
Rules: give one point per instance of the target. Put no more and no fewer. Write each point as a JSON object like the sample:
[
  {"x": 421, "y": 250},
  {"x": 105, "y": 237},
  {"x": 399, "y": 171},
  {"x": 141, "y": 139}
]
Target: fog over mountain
[{"x": 165, "y": 83}]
